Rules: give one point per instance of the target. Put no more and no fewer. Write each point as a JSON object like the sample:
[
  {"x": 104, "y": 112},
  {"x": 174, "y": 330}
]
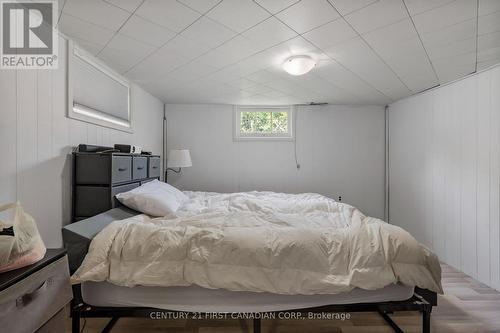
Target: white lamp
[
  {"x": 299, "y": 65},
  {"x": 178, "y": 158}
]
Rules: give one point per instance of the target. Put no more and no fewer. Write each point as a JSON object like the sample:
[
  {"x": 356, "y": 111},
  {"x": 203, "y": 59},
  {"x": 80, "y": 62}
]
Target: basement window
[{"x": 263, "y": 122}]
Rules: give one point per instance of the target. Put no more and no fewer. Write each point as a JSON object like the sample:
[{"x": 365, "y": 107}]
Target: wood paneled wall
[
  {"x": 444, "y": 172},
  {"x": 36, "y": 139}
]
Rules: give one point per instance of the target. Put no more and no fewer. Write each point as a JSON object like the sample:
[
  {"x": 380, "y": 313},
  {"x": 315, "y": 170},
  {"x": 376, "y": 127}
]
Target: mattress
[
  {"x": 198, "y": 299},
  {"x": 77, "y": 236}
]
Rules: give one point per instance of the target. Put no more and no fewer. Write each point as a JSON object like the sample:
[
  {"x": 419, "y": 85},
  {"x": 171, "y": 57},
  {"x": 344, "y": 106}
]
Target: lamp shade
[{"x": 179, "y": 158}]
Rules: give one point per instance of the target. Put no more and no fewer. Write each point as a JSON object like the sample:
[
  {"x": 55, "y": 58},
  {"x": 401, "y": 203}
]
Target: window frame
[
  {"x": 90, "y": 115},
  {"x": 239, "y": 136}
]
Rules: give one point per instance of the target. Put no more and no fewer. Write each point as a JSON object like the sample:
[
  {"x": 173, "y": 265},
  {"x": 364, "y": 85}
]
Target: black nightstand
[{"x": 32, "y": 298}]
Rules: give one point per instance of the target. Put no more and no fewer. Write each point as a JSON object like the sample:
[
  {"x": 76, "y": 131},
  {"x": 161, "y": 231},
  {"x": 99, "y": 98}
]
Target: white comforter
[{"x": 261, "y": 242}]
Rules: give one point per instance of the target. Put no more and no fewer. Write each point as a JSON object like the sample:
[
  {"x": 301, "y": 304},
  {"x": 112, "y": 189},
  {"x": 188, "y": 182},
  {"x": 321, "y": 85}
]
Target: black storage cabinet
[{"x": 98, "y": 177}]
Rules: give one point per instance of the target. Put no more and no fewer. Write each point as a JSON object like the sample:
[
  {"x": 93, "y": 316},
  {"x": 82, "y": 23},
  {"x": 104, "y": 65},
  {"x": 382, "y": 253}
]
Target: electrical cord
[{"x": 295, "y": 115}]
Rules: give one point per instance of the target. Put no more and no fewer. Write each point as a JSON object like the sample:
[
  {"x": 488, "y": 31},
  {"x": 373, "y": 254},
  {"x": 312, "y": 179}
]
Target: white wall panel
[
  {"x": 8, "y": 134},
  {"x": 466, "y": 106},
  {"x": 36, "y": 139},
  {"x": 483, "y": 177},
  {"x": 444, "y": 99},
  {"x": 460, "y": 168},
  {"x": 495, "y": 178},
  {"x": 340, "y": 150}
]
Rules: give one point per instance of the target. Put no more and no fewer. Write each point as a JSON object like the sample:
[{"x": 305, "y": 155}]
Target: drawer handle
[
  {"x": 140, "y": 168},
  {"x": 155, "y": 167},
  {"x": 122, "y": 169},
  {"x": 29, "y": 297}
]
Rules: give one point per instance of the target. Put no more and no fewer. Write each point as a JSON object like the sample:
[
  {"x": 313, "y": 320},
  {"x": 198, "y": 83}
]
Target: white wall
[
  {"x": 444, "y": 172},
  {"x": 36, "y": 138},
  {"x": 340, "y": 149}
]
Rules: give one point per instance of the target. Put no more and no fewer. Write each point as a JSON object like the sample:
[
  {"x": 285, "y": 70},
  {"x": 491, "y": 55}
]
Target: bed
[{"x": 235, "y": 253}]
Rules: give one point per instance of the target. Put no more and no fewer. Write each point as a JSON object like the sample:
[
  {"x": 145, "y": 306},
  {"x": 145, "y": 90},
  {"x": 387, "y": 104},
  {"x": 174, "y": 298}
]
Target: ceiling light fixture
[{"x": 299, "y": 65}]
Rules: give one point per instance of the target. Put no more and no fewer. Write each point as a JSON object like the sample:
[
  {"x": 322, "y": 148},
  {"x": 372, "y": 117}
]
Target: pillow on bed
[{"x": 154, "y": 198}]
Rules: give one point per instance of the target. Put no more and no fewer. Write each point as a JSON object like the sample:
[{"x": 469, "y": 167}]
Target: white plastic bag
[{"x": 20, "y": 245}]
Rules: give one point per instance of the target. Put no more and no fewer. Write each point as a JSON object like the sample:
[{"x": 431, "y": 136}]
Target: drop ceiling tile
[
  {"x": 359, "y": 58},
  {"x": 489, "y": 55},
  {"x": 269, "y": 33},
  {"x": 341, "y": 77},
  {"x": 146, "y": 31},
  {"x": 420, "y": 81},
  {"x": 488, "y": 6},
  {"x": 224, "y": 76},
  {"x": 121, "y": 62},
  {"x": 85, "y": 31},
  {"x": 262, "y": 76},
  {"x": 445, "y": 16},
  {"x": 155, "y": 66},
  {"x": 274, "y": 94},
  {"x": 489, "y": 23},
  {"x": 400, "y": 48},
  {"x": 449, "y": 69},
  {"x": 190, "y": 72},
  {"x": 452, "y": 33},
  {"x": 489, "y": 41},
  {"x": 308, "y": 14},
  {"x": 258, "y": 61},
  {"x": 377, "y": 15},
  {"x": 419, "y": 6},
  {"x": 297, "y": 45},
  {"x": 231, "y": 52},
  {"x": 201, "y": 6},
  {"x": 406, "y": 66},
  {"x": 212, "y": 88},
  {"x": 130, "y": 46},
  {"x": 348, "y": 6},
  {"x": 452, "y": 49},
  {"x": 239, "y": 15},
  {"x": 242, "y": 83},
  {"x": 319, "y": 88},
  {"x": 388, "y": 38},
  {"x": 184, "y": 47},
  {"x": 275, "y": 6},
  {"x": 332, "y": 33},
  {"x": 90, "y": 47},
  {"x": 209, "y": 32},
  {"x": 487, "y": 63},
  {"x": 161, "y": 87},
  {"x": 258, "y": 89},
  {"x": 97, "y": 12},
  {"x": 123, "y": 52},
  {"x": 128, "y": 5},
  {"x": 168, "y": 13},
  {"x": 283, "y": 86},
  {"x": 242, "y": 68}
]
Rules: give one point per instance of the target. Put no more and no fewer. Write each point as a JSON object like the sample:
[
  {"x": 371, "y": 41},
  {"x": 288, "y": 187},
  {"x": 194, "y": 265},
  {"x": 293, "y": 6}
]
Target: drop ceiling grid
[
  {"x": 241, "y": 53},
  {"x": 147, "y": 56}
]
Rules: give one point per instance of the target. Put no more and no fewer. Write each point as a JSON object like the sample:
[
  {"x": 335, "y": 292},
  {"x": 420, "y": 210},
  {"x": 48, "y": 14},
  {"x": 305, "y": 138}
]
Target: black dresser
[{"x": 98, "y": 177}]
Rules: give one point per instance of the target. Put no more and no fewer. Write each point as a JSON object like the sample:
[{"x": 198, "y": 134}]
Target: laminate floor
[{"x": 467, "y": 306}]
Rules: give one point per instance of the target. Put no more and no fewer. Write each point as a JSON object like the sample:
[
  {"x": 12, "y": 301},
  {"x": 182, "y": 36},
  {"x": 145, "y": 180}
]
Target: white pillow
[{"x": 154, "y": 198}]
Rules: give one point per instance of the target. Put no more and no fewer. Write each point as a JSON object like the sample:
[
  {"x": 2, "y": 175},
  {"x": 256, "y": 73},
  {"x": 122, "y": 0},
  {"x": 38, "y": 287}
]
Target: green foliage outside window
[{"x": 264, "y": 122}]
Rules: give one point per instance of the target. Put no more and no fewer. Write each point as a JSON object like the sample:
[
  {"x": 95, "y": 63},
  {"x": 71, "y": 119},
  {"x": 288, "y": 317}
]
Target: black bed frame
[{"x": 422, "y": 300}]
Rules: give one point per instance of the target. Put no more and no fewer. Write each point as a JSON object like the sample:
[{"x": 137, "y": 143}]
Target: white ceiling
[{"x": 231, "y": 51}]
